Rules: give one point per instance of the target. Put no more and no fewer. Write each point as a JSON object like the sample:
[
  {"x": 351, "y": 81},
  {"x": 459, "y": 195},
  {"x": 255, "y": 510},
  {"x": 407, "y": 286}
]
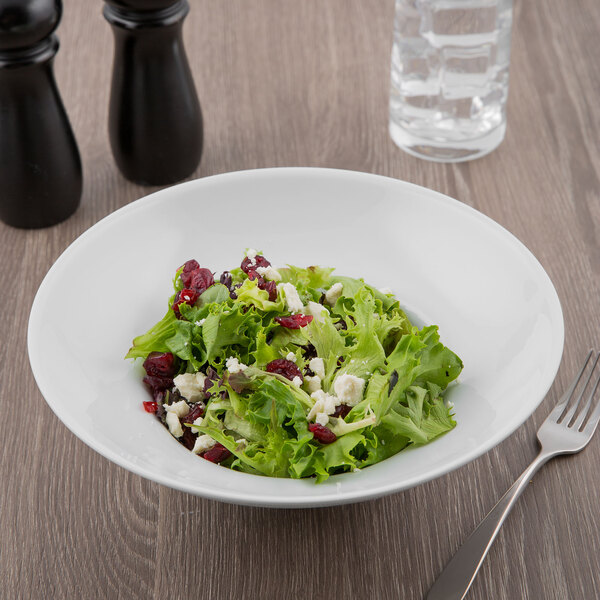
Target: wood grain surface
[{"x": 289, "y": 83}]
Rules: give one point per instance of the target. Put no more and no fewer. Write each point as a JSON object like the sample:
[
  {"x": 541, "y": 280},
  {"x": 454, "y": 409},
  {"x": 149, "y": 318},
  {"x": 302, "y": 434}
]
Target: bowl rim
[{"x": 258, "y": 498}]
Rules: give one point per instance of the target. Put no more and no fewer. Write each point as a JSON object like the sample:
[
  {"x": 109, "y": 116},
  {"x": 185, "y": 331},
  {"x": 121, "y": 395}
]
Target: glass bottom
[{"x": 449, "y": 152}]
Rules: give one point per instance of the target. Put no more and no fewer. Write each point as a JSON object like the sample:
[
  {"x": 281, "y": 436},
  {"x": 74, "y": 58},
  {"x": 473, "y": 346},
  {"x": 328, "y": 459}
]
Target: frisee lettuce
[{"x": 261, "y": 417}]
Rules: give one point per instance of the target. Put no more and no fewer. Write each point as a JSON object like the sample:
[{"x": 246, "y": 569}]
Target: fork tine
[
  {"x": 560, "y": 407},
  {"x": 586, "y": 409},
  {"x": 571, "y": 412}
]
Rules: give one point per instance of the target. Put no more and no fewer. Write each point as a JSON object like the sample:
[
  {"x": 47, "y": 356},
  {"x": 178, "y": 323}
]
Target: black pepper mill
[
  {"x": 155, "y": 122},
  {"x": 40, "y": 167}
]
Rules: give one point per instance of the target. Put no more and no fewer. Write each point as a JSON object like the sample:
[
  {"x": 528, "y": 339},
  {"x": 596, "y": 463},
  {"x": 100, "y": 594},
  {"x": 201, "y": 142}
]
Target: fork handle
[{"x": 456, "y": 579}]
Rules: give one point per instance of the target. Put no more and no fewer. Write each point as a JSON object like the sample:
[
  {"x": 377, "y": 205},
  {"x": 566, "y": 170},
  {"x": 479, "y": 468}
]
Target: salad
[{"x": 293, "y": 372}]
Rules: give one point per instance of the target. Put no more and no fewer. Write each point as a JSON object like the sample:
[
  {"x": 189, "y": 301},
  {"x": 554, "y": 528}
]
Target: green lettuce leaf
[
  {"x": 438, "y": 364},
  {"x": 418, "y": 425},
  {"x": 222, "y": 330},
  {"x": 366, "y": 354},
  {"x": 155, "y": 339},
  {"x": 310, "y": 280},
  {"x": 249, "y": 293}
]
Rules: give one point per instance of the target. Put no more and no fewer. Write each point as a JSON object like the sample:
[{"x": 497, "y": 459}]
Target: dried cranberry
[
  {"x": 226, "y": 279},
  {"x": 250, "y": 265},
  {"x": 284, "y": 367},
  {"x": 201, "y": 280},
  {"x": 150, "y": 407},
  {"x": 294, "y": 321},
  {"x": 197, "y": 411},
  {"x": 156, "y": 384},
  {"x": 188, "y": 439},
  {"x": 185, "y": 296},
  {"x": 322, "y": 433},
  {"x": 161, "y": 364},
  {"x": 341, "y": 411},
  {"x": 188, "y": 269},
  {"x": 218, "y": 453},
  {"x": 271, "y": 287},
  {"x": 263, "y": 284}
]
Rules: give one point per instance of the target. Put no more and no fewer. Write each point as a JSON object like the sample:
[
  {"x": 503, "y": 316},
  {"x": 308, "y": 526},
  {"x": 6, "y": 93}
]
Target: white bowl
[{"x": 447, "y": 263}]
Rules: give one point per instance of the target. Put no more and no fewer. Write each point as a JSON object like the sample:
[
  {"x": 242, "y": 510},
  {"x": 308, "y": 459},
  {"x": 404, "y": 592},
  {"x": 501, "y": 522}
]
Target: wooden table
[{"x": 286, "y": 83}]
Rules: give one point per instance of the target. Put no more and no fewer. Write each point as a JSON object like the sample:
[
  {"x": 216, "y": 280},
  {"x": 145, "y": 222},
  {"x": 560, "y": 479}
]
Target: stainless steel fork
[{"x": 563, "y": 432}]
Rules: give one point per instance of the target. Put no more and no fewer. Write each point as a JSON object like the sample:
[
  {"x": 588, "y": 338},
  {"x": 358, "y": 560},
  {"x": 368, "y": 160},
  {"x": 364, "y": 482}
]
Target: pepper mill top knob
[
  {"x": 150, "y": 5},
  {"x": 25, "y": 23}
]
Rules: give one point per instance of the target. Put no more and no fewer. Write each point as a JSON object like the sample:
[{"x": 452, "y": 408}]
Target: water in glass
[{"x": 449, "y": 81}]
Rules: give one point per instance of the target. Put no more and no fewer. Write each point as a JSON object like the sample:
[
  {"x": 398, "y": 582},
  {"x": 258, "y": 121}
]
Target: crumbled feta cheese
[
  {"x": 174, "y": 412},
  {"x": 324, "y": 402},
  {"x": 191, "y": 385},
  {"x": 330, "y": 404},
  {"x": 383, "y": 442},
  {"x": 200, "y": 322},
  {"x": 449, "y": 404},
  {"x": 173, "y": 424},
  {"x": 317, "y": 366},
  {"x": 198, "y": 422},
  {"x": 322, "y": 419},
  {"x": 319, "y": 396},
  {"x": 241, "y": 443},
  {"x": 297, "y": 381},
  {"x": 386, "y": 290},
  {"x": 203, "y": 443},
  {"x": 251, "y": 254},
  {"x": 180, "y": 409},
  {"x": 313, "y": 384},
  {"x": 349, "y": 389},
  {"x": 292, "y": 299},
  {"x": 333, "y": 293},
  {"x": 291, "y": 357},
  {"x": 316, "y": 310},
  {"x": 269, "y": 273},
  {"x": 234, "y": 365}
]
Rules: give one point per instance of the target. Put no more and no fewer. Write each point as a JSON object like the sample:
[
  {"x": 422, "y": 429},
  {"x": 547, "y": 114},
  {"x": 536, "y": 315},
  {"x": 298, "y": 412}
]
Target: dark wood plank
[{"x": 306, "y": 83}]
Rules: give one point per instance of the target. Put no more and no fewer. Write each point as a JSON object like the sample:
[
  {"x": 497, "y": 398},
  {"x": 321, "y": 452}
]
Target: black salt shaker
[
  {"x": 40, "y": 166},
  {"x": 155, "y": 121}
]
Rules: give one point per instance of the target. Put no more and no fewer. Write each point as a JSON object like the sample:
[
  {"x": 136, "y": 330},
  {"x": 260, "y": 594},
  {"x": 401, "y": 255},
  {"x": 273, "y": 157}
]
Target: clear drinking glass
[{"x": 449, "y": 81}]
